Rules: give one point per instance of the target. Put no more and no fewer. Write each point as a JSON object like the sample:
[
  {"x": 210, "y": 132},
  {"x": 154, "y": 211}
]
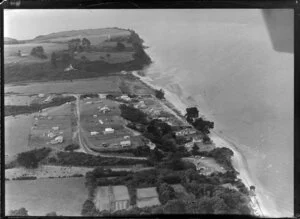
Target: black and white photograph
[{"x": 129, "y": 112}]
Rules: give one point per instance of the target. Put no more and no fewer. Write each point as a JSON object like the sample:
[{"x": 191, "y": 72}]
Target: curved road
[{"x": 82, "y": 140}]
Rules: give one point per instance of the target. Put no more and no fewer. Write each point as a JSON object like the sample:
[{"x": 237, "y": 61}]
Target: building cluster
[{"x": 114, "y": 198}]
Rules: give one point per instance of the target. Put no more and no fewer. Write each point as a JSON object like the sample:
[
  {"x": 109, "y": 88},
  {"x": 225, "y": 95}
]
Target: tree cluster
[
  {"x": 38, "y": 52},
  {"x": 31, "y": 159},
  {"x": 160, "y": 94},
  {"x": 132, "y": 114},
  {"x": 79, "y": 45}
]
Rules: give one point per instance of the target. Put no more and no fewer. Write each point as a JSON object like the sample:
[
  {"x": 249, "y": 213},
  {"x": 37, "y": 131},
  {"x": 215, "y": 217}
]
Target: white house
[
  {"x": 104, "y": 109},
  {"x": 108, "y": 131},
  {"x": 51, "y": 135},
  {"x": 151, "y": 145},
  {"x": 41, "y": 95},
  {"x": 101, "y": 122},
  {"x": 95, "y": 116},
  {"x": 125, "y": 97},
  {"x": 94, "y": 133},
  {"x": 55, "y": 128},
  {"x": 48, "y": 99},
  {"x": 125, "y": 143},
  {"x": 58, "y": 139},
  {"x": 126, "y": 137},
  {"x": 69, "y": 68}
]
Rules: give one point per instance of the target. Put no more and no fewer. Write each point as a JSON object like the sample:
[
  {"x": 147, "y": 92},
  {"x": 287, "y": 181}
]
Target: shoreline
[{"x": 257, "y": 204}]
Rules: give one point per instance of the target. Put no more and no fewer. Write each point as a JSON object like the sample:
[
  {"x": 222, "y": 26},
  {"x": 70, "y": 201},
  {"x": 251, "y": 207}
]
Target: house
[
  {"x": 189, "y": 144},
  {"x": 51, "y": 135},
  {"x": 147, "y": 197},
  {"x": 141, "y": 105},
  {"x": 41, "y": 95},
  {"x": 111, "y": 198},
  {"x": 102, "y": 96},
  {"x": 95, "y": 116},
  {"x": 184, "y": 132},
  {"x": 108, "y": 131},
  {"x": 55, "y": 128},
  {"x": 94, "y": 133},
  {"x": 125, "y": 97},
  {"x": 123, "y": 72},
  {"x": 69, "y": 68},
  {"x": 58, "y": 139},
  {"x": 126, "y": 137},
  {"x": 151, "y": 145},
  {"x": 48, "y": 99},
  {"x": 101, "y": 122},
  {"x": 104, "y": 109},
  {"x": 125, "y": 143}
]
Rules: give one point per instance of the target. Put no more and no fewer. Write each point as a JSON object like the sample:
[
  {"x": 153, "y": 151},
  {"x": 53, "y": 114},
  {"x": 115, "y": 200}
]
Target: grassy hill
[{"x": 104, "y": 55}]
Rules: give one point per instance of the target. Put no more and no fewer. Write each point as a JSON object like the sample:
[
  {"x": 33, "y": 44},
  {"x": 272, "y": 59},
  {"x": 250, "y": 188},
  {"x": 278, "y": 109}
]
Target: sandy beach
[{"x": 239, "y": 163}]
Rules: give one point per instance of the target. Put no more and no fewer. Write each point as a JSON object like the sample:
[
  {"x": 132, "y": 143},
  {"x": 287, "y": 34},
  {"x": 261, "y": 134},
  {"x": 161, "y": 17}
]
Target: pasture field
[
  {"x": 10, "y": 52},
  {"x": 38, "y": 136},
  {"x": 110, "y": 57},
  {"x": 19, "y": 100},
  {"x": 107, "y": 84},
  {"x": 134, "y": 86},
  {"x": 90, "y": 122},
  {"x": 17, "y": 130}
]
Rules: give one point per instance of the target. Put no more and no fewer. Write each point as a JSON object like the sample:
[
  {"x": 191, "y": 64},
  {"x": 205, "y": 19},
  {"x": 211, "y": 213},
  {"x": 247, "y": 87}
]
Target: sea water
[{"x": 223, "y": 62}]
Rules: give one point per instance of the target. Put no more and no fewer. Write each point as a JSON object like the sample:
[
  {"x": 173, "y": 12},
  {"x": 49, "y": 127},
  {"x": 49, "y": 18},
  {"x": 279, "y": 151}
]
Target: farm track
[{"x": 82, "y": 140}]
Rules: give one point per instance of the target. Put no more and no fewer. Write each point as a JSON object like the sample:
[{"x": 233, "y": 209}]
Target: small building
[
  {"x": 58, "y": 139},
  {"x": 102, "y": 96},
  {"x": 126, "y": 137},
  {"x": 125, "y": 143},
  {"x": 108, "y": 131},
  {"x": 94, "y": 133},
  {"x": 184, "y": 132},
  {"x": 41, "y": 95},
  {"x": 51, "y": 135},
  {"x": 123, "y": 72},
  {"x": 69, "y": 68},
  {"x": 89, "y": 102},
  {"x": 55, "y": 128},
  {"x": 147, "y": 197},
  {"x": 125, "y": 97},
  {"x": 140, "y": 105},
  {"x": 111, "y": 198},
  {"x": 151, "y": 145},
  {"x": 104, "y": 109},
  {"x": 101, "y": 122},
  {"x": 48, "y": 99},
  {"x": 95, "y": 116}
]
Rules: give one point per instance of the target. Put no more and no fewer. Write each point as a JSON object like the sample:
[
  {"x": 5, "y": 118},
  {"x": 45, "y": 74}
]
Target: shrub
[
  {"x": 160, "y": 94},
  {"x": 38, "y": 52},
  {"x": 31, "y": 159},
  {"x": 132, "y": 114},
  {"x": 72, "y": 147}
]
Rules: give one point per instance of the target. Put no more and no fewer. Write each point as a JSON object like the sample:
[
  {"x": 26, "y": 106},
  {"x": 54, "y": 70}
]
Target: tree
[
  {"x": 74, "y": 44},
  {"x": 191, "y": 114},
  {"x": 166, "y": 193},
  {"x": 72, "y": 147},
  {"x": 120, "y": 46},
  {"x": 38, "y": 52},
  {"x": 203, "y": 125},
  {"x": 160, "y": 94},
  {"x": 206, "y": 139},
  {"x": 19, "y": 212},
  {"x": 195, "y": 149},
  {"x": 174, "y": 207},
  {"x": 86, "y": 44},
  {"x": 132, "y": 114},
  {"x": 88, "y": 208},
  {"x": 53, "y": 213},
  {"x": 53, "y": 59}
]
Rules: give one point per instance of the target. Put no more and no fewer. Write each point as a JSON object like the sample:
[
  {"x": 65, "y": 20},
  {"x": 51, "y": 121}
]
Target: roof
[
  {"x": 120, "y": 193},
  {"x": 146, "y": 192},
  {"x": 109, "y": 129}
]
